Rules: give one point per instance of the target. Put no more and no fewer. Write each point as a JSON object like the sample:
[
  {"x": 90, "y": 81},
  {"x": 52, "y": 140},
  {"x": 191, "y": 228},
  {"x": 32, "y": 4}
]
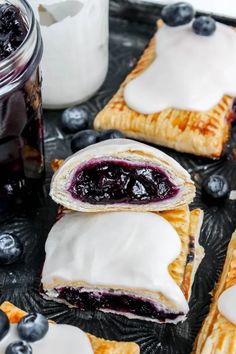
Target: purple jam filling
[
  {"x": 126, "y": 304},
  {"x": 115, "y": 181},
  {"x": 21, "y": 134},
  {"x": 13, "y": 30},
  {"x": 191, "y": 253}
]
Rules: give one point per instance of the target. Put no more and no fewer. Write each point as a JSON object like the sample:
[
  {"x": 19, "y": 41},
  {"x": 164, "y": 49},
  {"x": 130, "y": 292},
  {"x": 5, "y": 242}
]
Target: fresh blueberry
[
  {"x": 4, "y": 324},
  {"x": 110, "y": 134},
  {"x": 19, "y": 347},
  {"x": 216, "y": 187},
  {"x": 204, "y": 25},
  {"x": 32, "y": 327},
  {"x": 11, "y": 248},
  {"x": 74, "y": 119},
  {"x": 177, "y": 14},
  {"x": 83, "y": 139}
]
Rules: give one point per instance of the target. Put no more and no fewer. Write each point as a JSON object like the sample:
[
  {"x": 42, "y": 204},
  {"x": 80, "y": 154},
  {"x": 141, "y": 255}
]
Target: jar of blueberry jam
[{"x": 21, "y": 124}]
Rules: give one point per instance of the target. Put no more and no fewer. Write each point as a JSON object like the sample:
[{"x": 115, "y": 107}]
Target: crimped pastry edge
[
  {"x": 211, "y": 339},
  {"x": 113, "y": 117},
  {"x": 196, "y": 216}
]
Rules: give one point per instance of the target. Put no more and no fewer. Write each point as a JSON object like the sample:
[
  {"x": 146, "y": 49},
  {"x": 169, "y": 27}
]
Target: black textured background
[{"x": 31, "y": 215}]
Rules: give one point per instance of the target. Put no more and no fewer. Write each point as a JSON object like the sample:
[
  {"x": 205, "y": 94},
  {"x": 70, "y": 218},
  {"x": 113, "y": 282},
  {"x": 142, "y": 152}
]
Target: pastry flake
[
  {"x": 200, "y": 133},
  {"x": 121, "y": 174},
  {"x": 99, "y": 345},
  {"x": 218, "y": 335}
]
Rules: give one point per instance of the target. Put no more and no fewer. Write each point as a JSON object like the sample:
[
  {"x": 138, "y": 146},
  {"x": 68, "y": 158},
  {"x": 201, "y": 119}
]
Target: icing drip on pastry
[
  {"x": 190, "y": 72},
  {"x": 60, "y": 339},
  {"x": 125, "y": 250},
  {"x": 227, "y": 304}
]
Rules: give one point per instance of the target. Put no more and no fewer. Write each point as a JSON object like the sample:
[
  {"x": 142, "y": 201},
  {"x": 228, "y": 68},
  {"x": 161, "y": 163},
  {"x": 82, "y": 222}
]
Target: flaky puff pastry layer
[
  {"x": 218, "y": 335},
  {"x": 199, "y": 133},
  {"x": 187, "y": 224},
  {"x": 99, "y": 345},
  {"x": 123, "y": 150}
]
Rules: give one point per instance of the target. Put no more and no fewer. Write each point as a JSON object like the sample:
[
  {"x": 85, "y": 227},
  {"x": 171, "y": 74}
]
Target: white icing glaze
[
  {"x": 123, "y": 249},
  {"x": 227, "y": 304},
  {"x": 60, "y": 339},
  {"x": 191, "y": 72}
]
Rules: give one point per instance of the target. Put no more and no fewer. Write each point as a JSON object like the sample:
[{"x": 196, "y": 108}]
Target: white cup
[{"x": 75, "y": 60}]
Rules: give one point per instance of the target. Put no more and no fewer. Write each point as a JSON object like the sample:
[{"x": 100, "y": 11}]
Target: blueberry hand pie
[
  {"x": 59, "y": 339},
  {"x": 135, "y": 264},
  {"x": 121, "y": 174},
  {"x": 218, "y": 333},
  {"x": 181, "y": 93}
]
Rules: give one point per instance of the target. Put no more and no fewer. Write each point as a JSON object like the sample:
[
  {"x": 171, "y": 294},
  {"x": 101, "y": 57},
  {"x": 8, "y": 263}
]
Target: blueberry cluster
[
  {"x": 182, "y": 13},
  {"x": 31, "y": 328},
  {"x": 76, "y": 120},
  {"x": 13, "y": 30}
]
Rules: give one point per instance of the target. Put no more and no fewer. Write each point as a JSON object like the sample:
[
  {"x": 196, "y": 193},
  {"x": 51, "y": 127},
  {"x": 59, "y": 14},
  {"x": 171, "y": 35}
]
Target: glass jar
[
  {"x": 75, "y": 59},
  {"x": 21, "y": 122}
]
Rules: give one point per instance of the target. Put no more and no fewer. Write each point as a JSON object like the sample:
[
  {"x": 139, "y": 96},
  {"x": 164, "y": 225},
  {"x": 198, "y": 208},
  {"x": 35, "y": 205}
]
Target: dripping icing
[{"x": 190, "y": 72}]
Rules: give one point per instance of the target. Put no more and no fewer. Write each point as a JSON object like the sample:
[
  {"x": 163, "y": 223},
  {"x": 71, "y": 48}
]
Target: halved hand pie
[
  {"x": 135, "y": 264},
  {"x": 218, "y": 333},
  {"x": 62, "y": 339},
  {"x": 121, "y": 174}
]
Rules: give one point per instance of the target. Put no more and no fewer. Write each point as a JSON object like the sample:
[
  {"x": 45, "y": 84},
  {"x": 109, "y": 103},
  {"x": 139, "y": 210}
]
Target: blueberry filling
[
  {"x": 109, "y": 300},
  {"x": 191, "y": 254},
  {"x": 13, "y": 30},
  {"x": 115, "y": 181}
]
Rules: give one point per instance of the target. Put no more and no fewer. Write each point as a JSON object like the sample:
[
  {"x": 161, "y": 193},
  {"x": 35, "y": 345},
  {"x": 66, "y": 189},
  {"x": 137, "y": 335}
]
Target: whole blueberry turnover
[
  {"x": 181, "y": 93},
  {"x": 218, "y": 333},
  {"x": 135, "y": 264},
  {"x": 121, "y": 174},
  {"x": 32, "y": 334}
]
